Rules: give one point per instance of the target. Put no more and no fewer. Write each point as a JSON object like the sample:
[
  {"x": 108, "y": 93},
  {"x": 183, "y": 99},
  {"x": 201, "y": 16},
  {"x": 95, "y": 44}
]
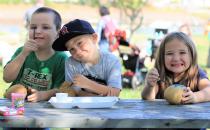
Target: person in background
[
  {"x": 29, "y": 12},
  {"x": 185, "y": 28},
  {"x": 90, "y": 71},
  {"x": 177, "y": 63},
  {"x": 36, "y": 65},
  {"x": 105, "y": 29}
]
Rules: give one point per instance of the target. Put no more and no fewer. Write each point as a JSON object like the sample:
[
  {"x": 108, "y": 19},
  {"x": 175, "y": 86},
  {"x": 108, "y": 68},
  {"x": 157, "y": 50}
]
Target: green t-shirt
[{"x": 41, "y": 75}]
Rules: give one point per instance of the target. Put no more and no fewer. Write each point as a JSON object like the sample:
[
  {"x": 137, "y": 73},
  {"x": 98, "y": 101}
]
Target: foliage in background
[
  {"x": 89, "y": 2},
  {"x": 11, "y": 1},
  {"x": 132, "y": 10},
  {"x": 80, "y": 2}
]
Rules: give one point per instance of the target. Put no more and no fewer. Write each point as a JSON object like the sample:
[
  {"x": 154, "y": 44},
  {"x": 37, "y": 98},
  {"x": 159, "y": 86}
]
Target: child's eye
[
  {"x": 79, "y": 44},
  {"x": 169, "y": 53},
  {"x": 72, "y": 50},
  {"x": 183, "y": 52},
  {"x": 46, "y": 27},
  {"x": 33, "y": 27}
]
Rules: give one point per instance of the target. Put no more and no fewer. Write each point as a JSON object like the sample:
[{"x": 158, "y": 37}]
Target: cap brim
[{"x": 59, "y": 43}]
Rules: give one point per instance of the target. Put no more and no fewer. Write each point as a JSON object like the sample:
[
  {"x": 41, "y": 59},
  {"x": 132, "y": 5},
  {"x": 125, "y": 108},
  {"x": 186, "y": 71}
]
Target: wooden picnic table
[{"x": 126, "y": 113}]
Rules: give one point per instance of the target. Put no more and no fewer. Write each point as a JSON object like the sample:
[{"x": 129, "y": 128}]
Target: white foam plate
[{"x": 84, "y": 102}]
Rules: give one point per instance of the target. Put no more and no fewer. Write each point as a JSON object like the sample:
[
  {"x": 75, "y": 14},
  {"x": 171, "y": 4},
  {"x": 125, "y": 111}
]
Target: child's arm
[
  {"x": 12, "y": 69},
  {"x": 203, "y": 95},
  {"x": 41, "y": 95},
  {"x": 82, "y": 93},
  {"x": 100, "y": 90},
  {"x": 112, "y": 92},
  {"x": 149, "y": 92},
  {"x": 151, "y": 87},
  {"x": 83, "y": 82}
]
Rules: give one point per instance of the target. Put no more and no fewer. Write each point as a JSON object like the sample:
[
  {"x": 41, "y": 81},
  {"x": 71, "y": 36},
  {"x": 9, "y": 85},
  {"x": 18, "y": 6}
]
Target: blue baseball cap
[{"x": 70, "y": 30}]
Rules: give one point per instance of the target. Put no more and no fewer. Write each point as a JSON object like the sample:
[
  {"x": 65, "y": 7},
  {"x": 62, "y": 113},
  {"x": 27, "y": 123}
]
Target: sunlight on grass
[
  {"x": 127, "y": 93},
  {"x": 3, "y": 85}
]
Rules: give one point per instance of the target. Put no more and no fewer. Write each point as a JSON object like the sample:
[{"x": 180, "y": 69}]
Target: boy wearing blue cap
[{"x": 90, "y": 71}]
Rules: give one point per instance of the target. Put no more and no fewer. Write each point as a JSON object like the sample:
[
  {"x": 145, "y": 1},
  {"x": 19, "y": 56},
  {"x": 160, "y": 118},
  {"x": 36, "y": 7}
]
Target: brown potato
[
  {"x": 173, "y": 94},
  {"x": 17, "y": 88},
  {"x": 66, "y": 88}
]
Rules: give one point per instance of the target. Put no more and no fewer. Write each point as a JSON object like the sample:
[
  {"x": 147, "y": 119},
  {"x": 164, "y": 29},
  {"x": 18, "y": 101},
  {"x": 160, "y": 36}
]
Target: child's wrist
[
  {"x": 23, "y": 54},
  {"x": 55, "y": 90},
  {"x": 149, "y": 85}
]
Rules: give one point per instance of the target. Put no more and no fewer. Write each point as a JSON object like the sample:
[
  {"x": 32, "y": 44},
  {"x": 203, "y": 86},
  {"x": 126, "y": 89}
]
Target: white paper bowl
[{"x": 85, "y": 102}]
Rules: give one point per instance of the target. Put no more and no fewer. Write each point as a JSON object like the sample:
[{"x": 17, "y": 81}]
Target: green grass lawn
[{"x": 3, "y": 85}]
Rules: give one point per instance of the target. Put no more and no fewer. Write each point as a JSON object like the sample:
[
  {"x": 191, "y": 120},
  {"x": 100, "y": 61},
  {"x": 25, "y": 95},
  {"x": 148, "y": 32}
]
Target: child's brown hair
[{"x": 57, "y": 17}]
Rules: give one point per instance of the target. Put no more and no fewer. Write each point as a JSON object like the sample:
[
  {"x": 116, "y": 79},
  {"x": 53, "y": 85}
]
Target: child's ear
[{"x": 95, "y": 37}]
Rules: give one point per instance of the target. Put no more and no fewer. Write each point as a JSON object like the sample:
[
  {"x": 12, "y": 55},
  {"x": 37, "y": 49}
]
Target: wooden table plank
[{"x": 131, "y": 113}]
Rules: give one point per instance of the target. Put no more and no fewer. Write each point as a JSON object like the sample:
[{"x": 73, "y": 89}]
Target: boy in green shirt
[{"x": 36, "y": 65}]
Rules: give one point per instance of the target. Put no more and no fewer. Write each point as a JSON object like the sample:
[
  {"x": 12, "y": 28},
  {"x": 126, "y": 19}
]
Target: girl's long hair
[{"x": 190, "y": 77}]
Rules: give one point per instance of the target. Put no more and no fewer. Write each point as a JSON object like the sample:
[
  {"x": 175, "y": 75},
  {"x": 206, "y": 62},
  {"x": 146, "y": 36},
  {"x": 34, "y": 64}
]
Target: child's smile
[{"x": 177, "y": 65}]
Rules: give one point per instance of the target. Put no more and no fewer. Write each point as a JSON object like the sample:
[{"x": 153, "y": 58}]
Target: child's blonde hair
[{"x": 190, "y": 77}]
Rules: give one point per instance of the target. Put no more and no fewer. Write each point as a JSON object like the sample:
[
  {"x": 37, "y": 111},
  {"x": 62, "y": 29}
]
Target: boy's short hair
[
  {"x": 70, "y": 30},
  {"x": 57, "y": 17}
]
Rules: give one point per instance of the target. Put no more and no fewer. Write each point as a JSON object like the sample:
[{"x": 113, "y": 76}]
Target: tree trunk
[{"x": 208, "y": 60}]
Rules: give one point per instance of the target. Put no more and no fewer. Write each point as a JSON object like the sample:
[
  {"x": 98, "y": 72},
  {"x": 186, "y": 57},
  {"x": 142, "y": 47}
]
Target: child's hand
[
  {"x": 36, "y": 95},
  {"x": 188, "y": 96},
  {"x": 152, "y": 77},
  {"x": 80, "y": 81},
  {"x": 113, "y": 92},
  {"x": 29, "y": 46}
]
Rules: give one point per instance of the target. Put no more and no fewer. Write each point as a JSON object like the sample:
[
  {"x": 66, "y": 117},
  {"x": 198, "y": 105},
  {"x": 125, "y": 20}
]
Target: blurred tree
[
  {"x": 89, "y": 2},
  {"x": 207, "y": 33},
  {"x": 133, "y": 10}
]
